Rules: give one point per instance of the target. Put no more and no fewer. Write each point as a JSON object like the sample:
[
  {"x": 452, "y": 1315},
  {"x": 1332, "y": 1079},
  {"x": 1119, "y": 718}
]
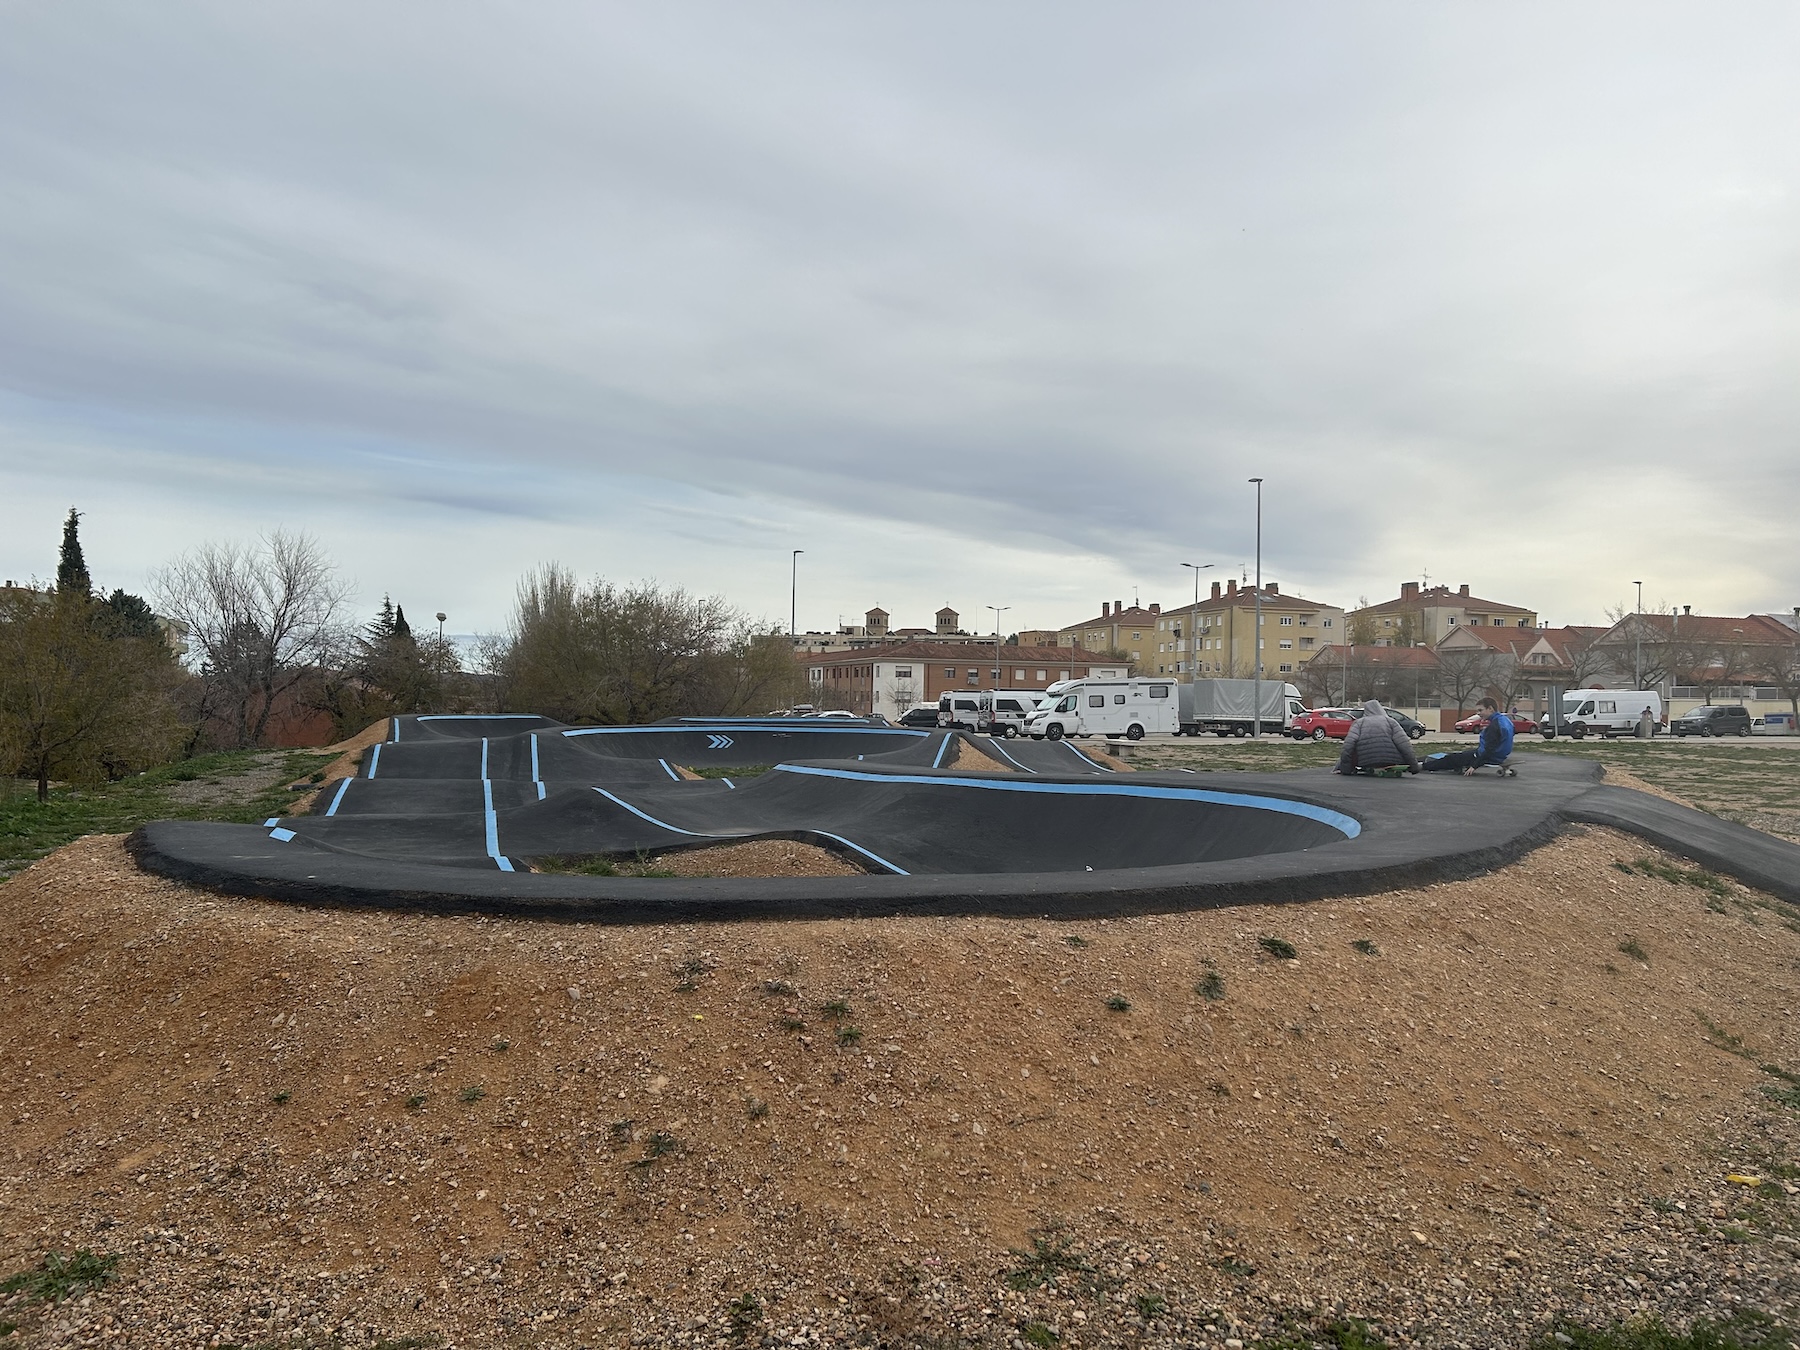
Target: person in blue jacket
[{"x": 1495, "y": 748}]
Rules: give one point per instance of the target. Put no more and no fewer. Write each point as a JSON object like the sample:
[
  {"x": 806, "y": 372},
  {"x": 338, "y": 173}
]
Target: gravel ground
[{"x": 1526, "y": 1098}]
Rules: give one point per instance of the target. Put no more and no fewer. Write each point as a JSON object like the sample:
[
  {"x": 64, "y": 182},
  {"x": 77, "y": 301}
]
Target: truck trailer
[{"x": 1228, "y": 707}]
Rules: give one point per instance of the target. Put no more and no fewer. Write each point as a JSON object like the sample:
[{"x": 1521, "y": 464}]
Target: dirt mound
[{"x": 1454, "y": 1111}]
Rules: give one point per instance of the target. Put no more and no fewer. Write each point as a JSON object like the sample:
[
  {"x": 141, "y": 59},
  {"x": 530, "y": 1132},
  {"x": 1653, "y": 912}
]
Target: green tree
[
  {"x": 1364, "y": 629},
  {"x": 71, "y": 567},
  {"x": 610, "y": 654},
  {"x": 77, "y": 701},
  {"x": 130, "y": 616}
]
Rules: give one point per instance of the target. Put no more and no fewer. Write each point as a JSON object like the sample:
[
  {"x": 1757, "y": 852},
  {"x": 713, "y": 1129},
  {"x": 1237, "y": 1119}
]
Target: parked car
[
  {"x": 1522, "y": 725},
  {"x": 1410, "y": 725},
  {"x": 1775, "y": 724},
  {"x": 1713, "y": 719},
  {"x": 1318, "y": 723},
  {"x": 922, "y": 715}
]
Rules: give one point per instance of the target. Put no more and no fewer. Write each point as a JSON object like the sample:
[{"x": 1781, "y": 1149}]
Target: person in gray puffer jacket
[{"x": 1376, "y": 742}]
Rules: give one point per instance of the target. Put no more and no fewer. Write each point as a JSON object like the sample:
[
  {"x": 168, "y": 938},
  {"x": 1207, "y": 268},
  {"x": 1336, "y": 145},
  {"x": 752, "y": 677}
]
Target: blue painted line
[
  {"x": 1347, "y": 825},
  {"x": 995, "y": 745},
  {"x": 493, "y": 825},
  {"x": 901, "y": 871},
  {"x": 534, "y": 758},
  {"x": 396, "y": 735},
  {"x": 283, "y": 835},
  {"x": 541, "y": 791},
  {"x": 343, "y": 787},
  {"x": 945, "y": 745},
  {"x": 644, "y": 815},
  {"x": 728, "y": 783},
  {"x": 272, "y": 820},
  {"x": 740, "y": 730},
  {"x": 374, "y": 761},
  {"x": 668, "y": 770},
  {"x": 484, "y": 758}
]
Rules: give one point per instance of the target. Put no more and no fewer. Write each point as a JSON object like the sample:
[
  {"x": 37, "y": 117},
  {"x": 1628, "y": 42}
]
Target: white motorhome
[
  {"x": 1603, "y": 712},
  {"x": 1132, "y": 708}
]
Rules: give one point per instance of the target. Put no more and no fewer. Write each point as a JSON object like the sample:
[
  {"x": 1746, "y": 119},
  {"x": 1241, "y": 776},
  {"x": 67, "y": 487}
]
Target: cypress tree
[
  {"x": 71, "y": 568},
  {"x": 402, "y": 629}
]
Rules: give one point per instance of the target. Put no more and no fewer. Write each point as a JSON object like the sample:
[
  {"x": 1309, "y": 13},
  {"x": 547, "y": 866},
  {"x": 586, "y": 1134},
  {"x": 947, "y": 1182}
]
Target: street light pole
[
  {"x": 998, "y": 611},
  {"x": 1637, "y": 629},
  {"x": 1256, "y": 729},
  {"x": 1194, "y": 623},
  {"x": 794, "y": 594}
]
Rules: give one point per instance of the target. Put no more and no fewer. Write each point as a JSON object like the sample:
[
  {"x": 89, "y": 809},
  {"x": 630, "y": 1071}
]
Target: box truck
[
  {"x": 1228, "y": 707},
  {"x": 1132, "y": 708}
]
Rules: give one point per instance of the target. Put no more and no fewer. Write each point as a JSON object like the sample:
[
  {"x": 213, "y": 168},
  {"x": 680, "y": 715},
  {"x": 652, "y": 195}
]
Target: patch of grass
[
  {"x": 848, "y": 1035},
  {"x": 1151, "y": 1306},
  {"x": 58, "y": 1277},
  {"x": 836, "y": 1010},
  {"x": 501, "y": 1045},
  {"x": 1118, "y": 1003},
  {"x": 1366, "y": 947},
  {"x": 1075, "y": 940},
  {"x": 1210, "y": 986},
  {"x": 472, "y": 1094},
  {"x": 733, "y": 772},
  {"x": 598, "y": 865},
  {"x": 1231, "y": 1265},
  {"x": 742, "y": 1314},
  {"x": 1038, "y": 1334},
  {"x": 792, "y": 1024},
  {"x": 1051, "y": 1257},
  {"x": 28, "y": 831},
  {"x": 1346, "y": 1333},
  {"x": 756, "y": 1108},
  {"x": 416, "y": 1102},
  {"x": 1697, "y": 877},
  {"x": 282, "y": 1098},
  {"x": 1220, "y": 1089},
  {"x": 1279, "y": 948},
  {"x": 1634, "y": 949},
  {"x": 619, "y": 1132},
  {"x": 1721, "y": 1039},
  {"x": 778, "y": 988},
  {"x": 657, "y": 1146},
  {"x": 1744, "y": 1329}
]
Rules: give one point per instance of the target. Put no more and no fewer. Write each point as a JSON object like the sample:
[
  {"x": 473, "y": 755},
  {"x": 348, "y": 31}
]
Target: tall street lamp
[
  {"x": 440, "y": 618},
  {"x": 1256, "y": 729},
  {"x": 1194, "y": 622},
  {"x": 998, "y": 611},
  {"x": 794, "y": 594},
  {"x": 1637, "y": 628}
]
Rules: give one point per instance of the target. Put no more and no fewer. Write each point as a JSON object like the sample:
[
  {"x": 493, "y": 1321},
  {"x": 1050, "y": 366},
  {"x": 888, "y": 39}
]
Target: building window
[
  {"x": 949, "y": 672},
  {"x": 1450, "y": 622},
  {"x": 1285, "y": 668},
  {"x": 1325, "y": 623},
  {"x": 1288, "y": 619},
  {"x": 1305, "y": 643},
  {"x": 1018, "y": 674},
  {"x": 1387, "y": 623},
  {"x": 1287, "y": 644},
  {"x": 903, "y": 672},
  {"x": 1042, "y": 676}
]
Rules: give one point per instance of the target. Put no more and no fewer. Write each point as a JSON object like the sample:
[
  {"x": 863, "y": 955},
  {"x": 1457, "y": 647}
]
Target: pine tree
[
  {"x": 381, "y": 627},
  {"x": 71, "y": 568},
  {"x": 402, "y": 629}
]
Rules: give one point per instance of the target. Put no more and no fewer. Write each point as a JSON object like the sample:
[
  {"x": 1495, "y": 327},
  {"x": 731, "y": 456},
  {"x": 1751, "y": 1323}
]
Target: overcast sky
[{"x": 979, "y": 304}]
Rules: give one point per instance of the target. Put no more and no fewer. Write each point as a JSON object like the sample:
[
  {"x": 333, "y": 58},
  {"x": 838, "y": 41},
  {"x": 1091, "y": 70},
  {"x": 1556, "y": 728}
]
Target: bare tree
[
  {"x": 1784, "y": 672},
  {"x": 258, "y": 620},
  {"x": 1464, "y": 672}
]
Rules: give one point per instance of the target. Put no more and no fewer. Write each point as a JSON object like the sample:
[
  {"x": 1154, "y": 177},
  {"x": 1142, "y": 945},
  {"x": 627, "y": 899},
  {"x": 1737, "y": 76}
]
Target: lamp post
[
  {"x": 794, "y": 594},
  {"x": 998, "y": 611},
  {"x": 440, "y": 618},
  {"x": 1194, "y": 622},
  {"x": 1256, "y": 726},
  {"x": 1637, "y": 629}
]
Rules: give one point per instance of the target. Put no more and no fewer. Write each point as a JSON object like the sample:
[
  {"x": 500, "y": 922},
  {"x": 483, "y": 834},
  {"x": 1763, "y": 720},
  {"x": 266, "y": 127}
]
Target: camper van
[
  {"x": 1603, "y": 712},
  {"x": 1131, "y": 708}
]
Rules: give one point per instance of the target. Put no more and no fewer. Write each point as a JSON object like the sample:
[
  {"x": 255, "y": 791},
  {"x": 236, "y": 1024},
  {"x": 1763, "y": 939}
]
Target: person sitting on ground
[
  {"x": 1376, "y": 742},
  {"x": 1495, "y": 746}
]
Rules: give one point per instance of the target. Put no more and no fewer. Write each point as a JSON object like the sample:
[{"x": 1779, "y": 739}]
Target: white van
[
  {"x": 1131, "y": 708},
  {"x": 966, "y": 710},
  {"x": 1603, "y": 712}
]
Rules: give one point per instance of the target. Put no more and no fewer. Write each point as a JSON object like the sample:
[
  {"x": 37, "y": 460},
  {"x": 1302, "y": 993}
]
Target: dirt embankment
[{"x": 300, "y": 1123}]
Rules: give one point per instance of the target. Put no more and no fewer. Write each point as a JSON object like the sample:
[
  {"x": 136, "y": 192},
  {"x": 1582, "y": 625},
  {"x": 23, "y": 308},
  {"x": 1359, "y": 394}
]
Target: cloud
[{"x": 980, "y": 306}]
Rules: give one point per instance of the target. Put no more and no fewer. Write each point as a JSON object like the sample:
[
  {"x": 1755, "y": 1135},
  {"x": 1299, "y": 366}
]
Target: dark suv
[{"x": 1725, "y": 719}]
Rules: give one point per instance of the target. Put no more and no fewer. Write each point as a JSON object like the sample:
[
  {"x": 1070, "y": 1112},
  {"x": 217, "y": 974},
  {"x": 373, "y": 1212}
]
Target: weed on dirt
[{"x": 58, "y": 1277}]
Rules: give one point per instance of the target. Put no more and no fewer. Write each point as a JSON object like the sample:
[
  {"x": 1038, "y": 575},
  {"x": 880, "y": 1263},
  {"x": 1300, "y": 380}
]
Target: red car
[
  {"x": 1522, "y": 724},
  {"x": 1318, "y": 723}
]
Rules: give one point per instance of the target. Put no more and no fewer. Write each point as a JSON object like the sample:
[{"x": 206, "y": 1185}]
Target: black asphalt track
[{"x": 448, "y": 812}]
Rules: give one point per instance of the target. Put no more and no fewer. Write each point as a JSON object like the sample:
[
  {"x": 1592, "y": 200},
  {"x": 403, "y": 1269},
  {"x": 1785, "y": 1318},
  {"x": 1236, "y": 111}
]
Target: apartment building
[
  {"x": 1428, "y": 614},
  {"x": 1215, "y": 639},
  {"x": 890, "y": 680},
  {"x": 1117, "y": 629}
]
